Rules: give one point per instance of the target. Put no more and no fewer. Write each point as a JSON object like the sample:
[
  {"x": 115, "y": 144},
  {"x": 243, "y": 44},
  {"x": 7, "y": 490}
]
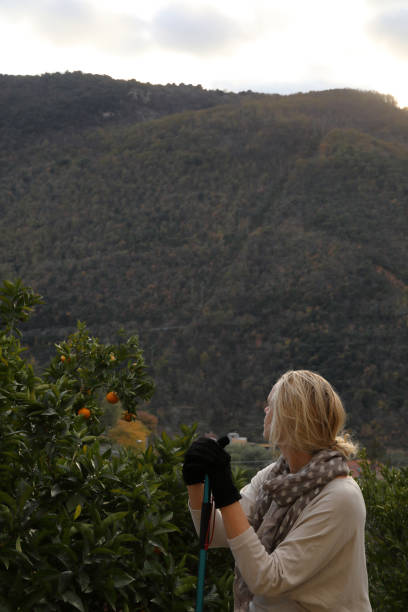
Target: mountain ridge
[{"x": 240, "y": 240}]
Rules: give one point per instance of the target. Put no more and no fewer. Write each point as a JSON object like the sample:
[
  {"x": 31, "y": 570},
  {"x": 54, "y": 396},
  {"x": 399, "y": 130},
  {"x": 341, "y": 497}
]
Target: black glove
[
  {"x": 205, "y": 456},
  {"x": 221, "y": 483},
  {"x": 193, "y": 469},
  {"x": 199, "y": 459}
]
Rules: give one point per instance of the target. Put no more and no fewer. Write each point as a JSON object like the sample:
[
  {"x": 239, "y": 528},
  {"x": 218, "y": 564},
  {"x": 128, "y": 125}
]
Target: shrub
[
  {"x": 386, "y": 498},
  {"x": 132, "y": 435},
  {"x": 148, "y": 419}
]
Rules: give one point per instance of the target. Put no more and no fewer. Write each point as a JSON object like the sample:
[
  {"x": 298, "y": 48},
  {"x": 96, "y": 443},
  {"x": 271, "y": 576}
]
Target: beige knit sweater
[{"x": 320, "y": 566}]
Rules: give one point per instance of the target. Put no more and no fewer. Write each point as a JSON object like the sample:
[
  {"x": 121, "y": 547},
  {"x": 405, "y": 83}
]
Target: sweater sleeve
[{"x": 323, "y": 528}]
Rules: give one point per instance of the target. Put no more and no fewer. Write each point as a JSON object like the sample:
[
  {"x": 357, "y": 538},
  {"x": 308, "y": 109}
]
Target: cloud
[
  {"x": 390, "y": 3},
  {"x": 197, "y": 30},
  {"x": 63, "y": 22},
  {"x": 67, "y": 23},
  {"x": 14, "y": 9},
  {"x": 391, "y": 30}
]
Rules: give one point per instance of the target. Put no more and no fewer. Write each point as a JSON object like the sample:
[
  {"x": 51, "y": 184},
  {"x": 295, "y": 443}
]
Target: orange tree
[{"x": 85, "y": 525}]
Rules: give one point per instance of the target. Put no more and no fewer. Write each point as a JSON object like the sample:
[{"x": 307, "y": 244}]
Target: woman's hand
[
  {"x": 206, "y": 456},
  {"x": 197, "y": 461},
  {"x": 203, "y": 457}
]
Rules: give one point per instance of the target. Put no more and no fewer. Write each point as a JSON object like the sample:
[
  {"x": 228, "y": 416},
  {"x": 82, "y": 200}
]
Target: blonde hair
[{"x": 308, "y": 415}]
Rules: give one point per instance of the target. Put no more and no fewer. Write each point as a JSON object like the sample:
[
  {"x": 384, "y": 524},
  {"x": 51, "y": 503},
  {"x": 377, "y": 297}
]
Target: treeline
[
  {"x": 238, "y": 241},
  {"x": 37, "y": 107}
]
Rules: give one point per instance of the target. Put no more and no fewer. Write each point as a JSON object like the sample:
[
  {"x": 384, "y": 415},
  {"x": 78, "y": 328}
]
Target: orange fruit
[
  {"x": 85, "y": 412},
  {"x": 63, "y": 358},
  {"x": 127, "y": 416},
  {"x": 112, "y": 357},
  {"x": 112, "y": 397}
]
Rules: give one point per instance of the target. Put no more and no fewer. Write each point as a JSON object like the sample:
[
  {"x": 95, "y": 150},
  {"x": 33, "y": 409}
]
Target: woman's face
[{"x": 268, "y": 416}]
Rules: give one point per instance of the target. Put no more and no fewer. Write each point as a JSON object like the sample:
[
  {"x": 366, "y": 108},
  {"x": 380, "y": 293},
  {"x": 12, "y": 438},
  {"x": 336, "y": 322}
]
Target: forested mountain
[
  {"x": 34, "y": 107},
  {"x": 239, "y": 235}
]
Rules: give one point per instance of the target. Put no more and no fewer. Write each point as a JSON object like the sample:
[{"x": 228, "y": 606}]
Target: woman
[{"x": 296, "y": 530}]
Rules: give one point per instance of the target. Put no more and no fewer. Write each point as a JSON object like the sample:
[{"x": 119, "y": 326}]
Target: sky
[{"x": 272, "y": 46}]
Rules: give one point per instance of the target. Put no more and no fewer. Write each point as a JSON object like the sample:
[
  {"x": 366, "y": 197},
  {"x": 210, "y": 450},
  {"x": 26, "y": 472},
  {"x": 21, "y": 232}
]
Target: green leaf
[
  {"x": 121, "y": 578},
  {"x": 102, "y": 550},
  {"x": 56, "y": 489},
  {"x": 49, "y": 412},
  {"x": 78, "y": 511},
  {"x": 6, "y": 563},
  {"x": 125, "y": 537},
  {"x": 64, "y": 580},
  {"x": 8, "y": 500},
  {"x": 18, "y": 545},
  {"x": 74, "y": 600},
  {"x": 25, "y": 494},
  {"x": 169, "y": 529},
  {"x": 115, "y": 516},
  {"x": 85, "y": 582}
]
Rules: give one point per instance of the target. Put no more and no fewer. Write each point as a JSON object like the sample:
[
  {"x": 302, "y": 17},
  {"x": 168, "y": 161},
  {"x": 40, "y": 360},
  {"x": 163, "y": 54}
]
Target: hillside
[
  {"x": 239, "y": 240},
  {"x": 35, "y": 108}
]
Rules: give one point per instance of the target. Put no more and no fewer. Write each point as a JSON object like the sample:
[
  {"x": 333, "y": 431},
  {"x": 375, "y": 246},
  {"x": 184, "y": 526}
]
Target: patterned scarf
[{"x": 281, "y": 499}]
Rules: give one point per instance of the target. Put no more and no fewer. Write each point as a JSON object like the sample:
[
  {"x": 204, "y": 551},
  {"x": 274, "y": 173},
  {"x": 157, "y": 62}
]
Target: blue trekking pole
[{"x": 206, "y": 508}]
